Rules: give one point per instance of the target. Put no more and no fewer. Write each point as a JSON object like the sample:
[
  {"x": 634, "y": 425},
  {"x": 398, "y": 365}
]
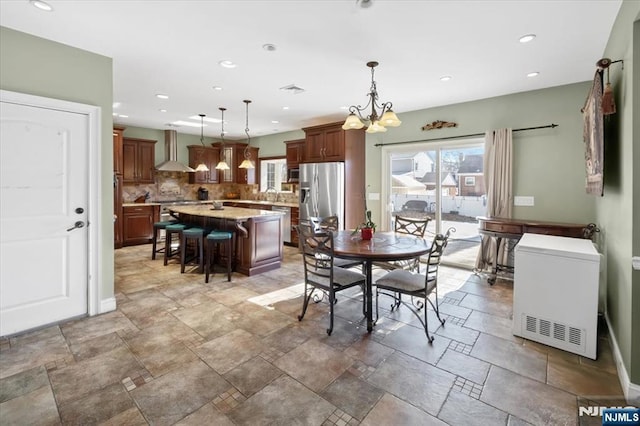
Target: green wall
[
  {"x": 618, "y": 211},
  {"x": 41, "y": 67}
]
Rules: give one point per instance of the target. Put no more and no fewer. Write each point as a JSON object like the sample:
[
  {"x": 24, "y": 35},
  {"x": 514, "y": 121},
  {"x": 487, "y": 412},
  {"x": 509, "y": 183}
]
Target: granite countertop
[
  {"x": 233, "y": 213},
  {"x": 196, "y": 202}
]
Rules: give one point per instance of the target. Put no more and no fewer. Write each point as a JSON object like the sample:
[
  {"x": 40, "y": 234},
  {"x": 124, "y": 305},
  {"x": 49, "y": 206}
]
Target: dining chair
[
  {"x": 409, "y": 226},
  {"x": 415, "y": 285},
  {"x": 332, "y": 223},
  {"x": 320, "y": 272}
]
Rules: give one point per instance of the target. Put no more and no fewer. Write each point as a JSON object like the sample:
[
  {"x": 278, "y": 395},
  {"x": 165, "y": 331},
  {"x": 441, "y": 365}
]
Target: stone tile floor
[{"x": 179, "y": 351}]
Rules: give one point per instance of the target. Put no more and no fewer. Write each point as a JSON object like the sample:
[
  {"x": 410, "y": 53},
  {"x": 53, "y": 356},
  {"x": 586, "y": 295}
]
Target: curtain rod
[{"x": 548, "y": 126}]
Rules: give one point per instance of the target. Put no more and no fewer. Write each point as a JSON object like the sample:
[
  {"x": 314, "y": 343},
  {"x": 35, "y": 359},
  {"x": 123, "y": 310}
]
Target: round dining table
[{"x": 384, "y": 246}]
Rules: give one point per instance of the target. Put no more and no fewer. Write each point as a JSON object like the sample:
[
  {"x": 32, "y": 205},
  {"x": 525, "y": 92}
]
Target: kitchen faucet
[{"x": 272, "y": 189}]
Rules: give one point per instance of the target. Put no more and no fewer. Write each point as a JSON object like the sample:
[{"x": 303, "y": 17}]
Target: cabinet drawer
[{"x": 504, "y": 228}]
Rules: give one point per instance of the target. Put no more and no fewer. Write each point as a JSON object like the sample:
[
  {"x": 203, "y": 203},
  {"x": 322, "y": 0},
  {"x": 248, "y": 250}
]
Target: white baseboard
[
  {"x": 107, "y": 305},
  {"x": 631, "y": 390}
]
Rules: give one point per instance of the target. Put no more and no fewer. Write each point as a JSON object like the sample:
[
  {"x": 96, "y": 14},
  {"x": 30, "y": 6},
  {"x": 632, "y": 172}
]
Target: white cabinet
[{"x": 555, "y": 292}]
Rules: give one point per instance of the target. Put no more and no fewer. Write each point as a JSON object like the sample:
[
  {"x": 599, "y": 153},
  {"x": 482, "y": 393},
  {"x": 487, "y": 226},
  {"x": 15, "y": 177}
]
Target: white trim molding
[
  {"x": 631, "y": 390},
  {"x": 107, "y": 305}
]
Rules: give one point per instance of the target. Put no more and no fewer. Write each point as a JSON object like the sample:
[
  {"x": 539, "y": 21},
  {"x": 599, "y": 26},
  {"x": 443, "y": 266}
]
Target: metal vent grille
[
  {"x": 550, "y": 332},
  {"x": 575, "y": 336},
  {"x": 559, "y": 331},
  {"x": 545, "y": 327}
]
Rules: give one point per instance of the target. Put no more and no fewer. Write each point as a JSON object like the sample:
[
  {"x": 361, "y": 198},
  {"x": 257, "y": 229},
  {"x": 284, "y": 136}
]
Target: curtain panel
[{"x": 498, "y": 179}]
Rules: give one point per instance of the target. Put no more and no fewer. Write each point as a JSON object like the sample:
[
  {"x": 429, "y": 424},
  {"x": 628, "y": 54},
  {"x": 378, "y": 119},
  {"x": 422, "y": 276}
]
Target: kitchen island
[{"x": 257, "y": 233}]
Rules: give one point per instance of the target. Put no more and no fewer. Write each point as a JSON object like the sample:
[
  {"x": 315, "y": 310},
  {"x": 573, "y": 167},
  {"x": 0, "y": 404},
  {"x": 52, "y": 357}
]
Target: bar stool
[
  {"x": 197, "y": 235},
  {"x": 157, "y": 227},
  {"x": 170, "y": 231},
  {"x": 215, "y": 238}
]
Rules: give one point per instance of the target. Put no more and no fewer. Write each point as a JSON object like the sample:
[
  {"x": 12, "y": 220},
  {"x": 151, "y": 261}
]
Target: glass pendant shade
[
  {"x": 376, "y": 127},
  {"x": 202, "y": 168},
  {"x": 390, "y": 119},
  {"x": 222, "y": 165},
  {"x": 246, "y": 164},
  {"x": 352, "y": 122}
]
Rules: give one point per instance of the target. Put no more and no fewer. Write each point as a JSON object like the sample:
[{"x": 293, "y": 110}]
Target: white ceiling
[{"x": 173, "y": 47}]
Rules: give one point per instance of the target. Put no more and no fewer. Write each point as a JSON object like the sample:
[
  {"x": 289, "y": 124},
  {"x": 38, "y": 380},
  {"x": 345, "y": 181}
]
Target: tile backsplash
[{"x": 175, "y": 186}]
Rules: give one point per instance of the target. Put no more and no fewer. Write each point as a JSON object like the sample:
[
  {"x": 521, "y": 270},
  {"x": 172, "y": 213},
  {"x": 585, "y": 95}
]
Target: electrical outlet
[{"x": 520, "y": 200}]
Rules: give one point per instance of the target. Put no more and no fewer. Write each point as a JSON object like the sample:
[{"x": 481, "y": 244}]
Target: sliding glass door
[{"x": 443, "y": 181}]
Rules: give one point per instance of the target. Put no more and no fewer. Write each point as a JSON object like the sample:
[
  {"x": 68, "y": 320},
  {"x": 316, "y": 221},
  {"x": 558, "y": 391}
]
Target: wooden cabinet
[
  {"x": 234, "y": 155},
  {"x": 138, "y": 223},
  {"x": 117, "y": 211},
  {"x": 295, "y": 153},
  {"x": 324, "y": 144},
  {"x": 138, "y": 157},
  {"x": 210, "y": 156},
  {"x": 117, "y": 149},
  {"x": 329, "y": 142}
]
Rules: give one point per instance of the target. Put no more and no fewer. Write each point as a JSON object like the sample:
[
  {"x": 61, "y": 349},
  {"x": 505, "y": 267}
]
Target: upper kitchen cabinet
[
  {"x": 234, "y": 155},
  {"x": 117, "y": 149},
  {"x": 138, "y": 157},
  {"x": 207, "y": 155},
  {"x": 329, "y": 142},
  {"x": 295, "y": 153}
]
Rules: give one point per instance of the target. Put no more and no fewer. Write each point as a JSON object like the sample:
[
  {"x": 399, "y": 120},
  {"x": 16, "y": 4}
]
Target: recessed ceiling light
[
  {"x": 41, "y": 5},
  {"x": 274, "y": 122},
  {"x": 123, "y": 116},
  {"x": 269, "y": 47},
  {"x": 227, "y": 64},
  {"x": 533, "y": 74},
  {"x": 218, "y": 88},
  {"x": 285, "y": 108},
  {"x": 162, "y": 110},
  {"x": 445, "y": 78},
  {"x": 527, "y": 38},
  {"x": 162, "y": 96}
]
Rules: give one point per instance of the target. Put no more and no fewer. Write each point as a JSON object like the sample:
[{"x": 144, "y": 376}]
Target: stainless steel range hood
[{"x": 171, "y": 163}]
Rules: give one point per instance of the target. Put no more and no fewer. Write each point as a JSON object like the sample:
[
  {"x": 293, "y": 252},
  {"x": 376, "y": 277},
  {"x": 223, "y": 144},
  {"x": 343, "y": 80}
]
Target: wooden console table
[{"x": 502, "y": 229}]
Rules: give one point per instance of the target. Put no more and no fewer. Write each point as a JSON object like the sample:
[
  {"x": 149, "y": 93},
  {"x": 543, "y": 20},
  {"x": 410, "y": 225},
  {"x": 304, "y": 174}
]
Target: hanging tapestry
[{"x": 593, "y": 135}]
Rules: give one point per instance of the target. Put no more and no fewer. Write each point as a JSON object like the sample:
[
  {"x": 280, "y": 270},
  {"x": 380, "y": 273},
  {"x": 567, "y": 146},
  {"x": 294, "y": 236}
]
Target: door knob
[{"x": 78, "y": 224}]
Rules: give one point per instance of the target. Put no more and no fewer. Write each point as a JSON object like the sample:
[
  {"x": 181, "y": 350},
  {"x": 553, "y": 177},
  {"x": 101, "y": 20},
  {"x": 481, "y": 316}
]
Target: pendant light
[
  {"x": 247, "y": 163},
  {"x": 381, "y": 116},
  {"x": 202, "y": 167},
  {"x": 222, "y": 164}
]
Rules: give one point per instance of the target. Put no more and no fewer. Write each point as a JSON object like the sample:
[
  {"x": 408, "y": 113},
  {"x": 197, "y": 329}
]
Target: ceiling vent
[{"x": 292, "y": 88}]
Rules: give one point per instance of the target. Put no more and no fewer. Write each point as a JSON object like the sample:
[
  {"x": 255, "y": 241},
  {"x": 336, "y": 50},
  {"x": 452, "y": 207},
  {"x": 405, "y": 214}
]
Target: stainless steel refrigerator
[{"x": 322, "y": 190}]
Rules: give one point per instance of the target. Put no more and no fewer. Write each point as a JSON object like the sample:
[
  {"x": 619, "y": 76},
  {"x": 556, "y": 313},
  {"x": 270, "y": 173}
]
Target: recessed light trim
[
  {"x": 41, "y": 5},
  {"x": 285, "y": 108},
  {"x": 123, "y": 116},
  {"x": 533, "y": 74},
  {"x": 227, "y": 64},
  {"x": 445, "y": 78},
  {"x": 162, "y": 110},
  {"x": 162, "y": 96},
  {"x": 269, "y": 47},
  {"x": 527, "y": 38},
  {"x": 275, "y": 122},
  {"x": 217, "y": 88}
]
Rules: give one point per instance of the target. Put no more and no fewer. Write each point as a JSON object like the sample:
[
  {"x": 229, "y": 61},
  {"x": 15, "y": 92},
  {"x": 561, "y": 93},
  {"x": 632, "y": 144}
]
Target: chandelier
[
  {"x": 202, "y": 167},
  {"x": 222, "y": 164},
  {"x": 247, "y": 163},
  {"x": 376, "y": 121}
]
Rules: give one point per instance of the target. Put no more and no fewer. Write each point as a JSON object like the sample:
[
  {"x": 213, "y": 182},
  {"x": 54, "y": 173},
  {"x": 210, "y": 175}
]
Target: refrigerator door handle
[{"x": 316, "y": 188}]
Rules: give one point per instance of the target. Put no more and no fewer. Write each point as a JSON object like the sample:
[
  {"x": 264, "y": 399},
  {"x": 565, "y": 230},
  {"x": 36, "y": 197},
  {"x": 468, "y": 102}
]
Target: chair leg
[
  {"x": 207, "y": 266},
  {"x": 167, "y": 247},
  {"x": 332, "y": 298},
  {"x": 201, "y": 263},
  {"x": 183, "y": 252},
  {"x": 305, "y": 303},
  {"x": 155, "y": 241}
]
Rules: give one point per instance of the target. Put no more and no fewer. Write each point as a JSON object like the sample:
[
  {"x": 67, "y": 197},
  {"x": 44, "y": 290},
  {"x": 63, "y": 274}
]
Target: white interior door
[{"x": 43, "y": 216}]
